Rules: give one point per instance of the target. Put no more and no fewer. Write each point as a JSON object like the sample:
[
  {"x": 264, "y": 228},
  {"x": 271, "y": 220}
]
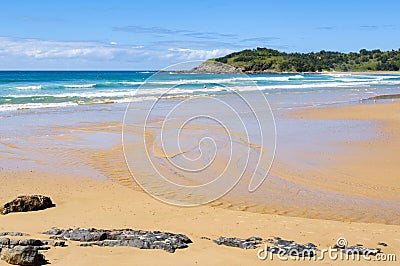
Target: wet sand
[
  {"x": 371, "y": 165},
  {"x": 335, "y": 175}
]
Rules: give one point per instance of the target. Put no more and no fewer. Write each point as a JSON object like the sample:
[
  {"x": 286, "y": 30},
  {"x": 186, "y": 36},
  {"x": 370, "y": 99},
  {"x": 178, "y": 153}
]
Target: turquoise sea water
[{"x": 41, "y": 89}]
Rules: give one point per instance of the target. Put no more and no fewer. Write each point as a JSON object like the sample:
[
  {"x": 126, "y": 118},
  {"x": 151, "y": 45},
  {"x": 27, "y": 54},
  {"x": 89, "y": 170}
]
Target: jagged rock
[
  {"x": 215, "y": 67},
  {"x": 249, "y": 243},
  {"x": 361, "y": 250},
  {"x": 27, "y": 203},
  {"x": 54, "y": 231},
  {"x": 86, "y": 244},
  {"x": 358, "y": 249},
  {"x": 25, "y": 251},
  {"x": 22, "y": 255},
  {"x": 54, "y": 243},
  {"x": 56, "y": 238},
  {"x": 124, "y": 237},
  {"x": 35, "y": 243},
  {"x": 13, "y": 234},
  {"x": 291, "y": 248},
  {"x": 4, "y": 242},
  {"x": 29, "y": 242},
  {"x": 85, "y": 235},
  {"x": 382, "y": 244}
]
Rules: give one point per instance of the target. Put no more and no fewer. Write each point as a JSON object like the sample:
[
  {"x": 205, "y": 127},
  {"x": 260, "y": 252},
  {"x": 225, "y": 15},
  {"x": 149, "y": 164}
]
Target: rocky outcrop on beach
[
  {"x": 289, "y": 247},
  {"x": 278, "y": 245},
  {"x": 123, "y": 237},
  {"x": 26, "y": 204},
  {"x": 13, "y": 234},
  {"x": 22, "y": 255},
  {"x": 25, "y": 251},
  {"x": 248, "y": 243},
  {"x": 214, "y": 67},
  {"x": 358, "y": 250}
]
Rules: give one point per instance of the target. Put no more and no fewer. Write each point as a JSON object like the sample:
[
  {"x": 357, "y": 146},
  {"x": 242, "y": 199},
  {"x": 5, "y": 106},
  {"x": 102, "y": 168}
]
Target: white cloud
[
  {"x": 19, "y": 53},
  {"x": 41, "y": 49}
]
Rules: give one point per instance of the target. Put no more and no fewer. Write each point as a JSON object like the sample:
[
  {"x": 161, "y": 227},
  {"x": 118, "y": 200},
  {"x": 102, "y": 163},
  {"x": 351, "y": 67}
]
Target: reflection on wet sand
[{"x": 307, "y": 179}]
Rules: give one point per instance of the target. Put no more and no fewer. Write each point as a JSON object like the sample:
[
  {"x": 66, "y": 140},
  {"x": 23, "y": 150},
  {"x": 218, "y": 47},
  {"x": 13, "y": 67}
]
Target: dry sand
[{"x": 106, "y": 204}]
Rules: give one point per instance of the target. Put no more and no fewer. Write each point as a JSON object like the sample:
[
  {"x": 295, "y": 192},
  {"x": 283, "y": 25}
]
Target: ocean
[{"x": 50, "y": 89}]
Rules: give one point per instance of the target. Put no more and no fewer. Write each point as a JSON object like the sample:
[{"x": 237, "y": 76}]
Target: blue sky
[{"x": 131, "y": 35}]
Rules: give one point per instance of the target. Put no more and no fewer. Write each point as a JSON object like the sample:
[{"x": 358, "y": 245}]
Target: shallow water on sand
[{"x": 86, "y": 140}]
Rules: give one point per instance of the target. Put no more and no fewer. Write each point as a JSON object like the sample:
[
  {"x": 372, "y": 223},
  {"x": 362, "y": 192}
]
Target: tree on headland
[{"x": 270, "y": 60}]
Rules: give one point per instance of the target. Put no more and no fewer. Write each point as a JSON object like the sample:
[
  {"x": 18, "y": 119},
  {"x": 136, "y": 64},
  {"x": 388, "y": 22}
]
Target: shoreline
[{"x": 108, "y": 198}]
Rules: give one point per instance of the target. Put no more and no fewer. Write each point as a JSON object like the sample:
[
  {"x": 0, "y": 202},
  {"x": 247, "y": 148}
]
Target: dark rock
[
  {"x": 249, "y": 243},
  {"x": 13, "y": 234},
  {"x": 214, "y": 67},
  {"x": 56, "y": 237},
  {"x": 25, "y": 251},
  {"x": 358, "y": 250},
  {"x": 85, "y": 235},
  {"x": 382, "y": 244},
  {"x": 124, "y": 237},
  {"x": 14, "y": 242},
  {"x": 205, "y": 238},
  {"x": 30, "y": 242},
  {"x": 291, "y": 248},
  {"x": 361, "y": 251},
  {"x": 55, "y": 231},
  {"x": 4, "y": 242},
  {"x": 86, "y": 244},
  {"x": 54, "y": 243},
  {"x": 311, "y": 245},
  {"x": 27, "y": 203},
  {"x": 34, "y": 243},
  {"x": 22, "y": 255}
]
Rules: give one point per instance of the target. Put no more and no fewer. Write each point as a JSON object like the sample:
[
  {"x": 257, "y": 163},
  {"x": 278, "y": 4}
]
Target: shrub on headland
[{"x": 270, "y": 60}]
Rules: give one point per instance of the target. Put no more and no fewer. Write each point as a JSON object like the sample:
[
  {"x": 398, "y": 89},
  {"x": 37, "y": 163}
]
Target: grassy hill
[{"x": 269, "y": 60}]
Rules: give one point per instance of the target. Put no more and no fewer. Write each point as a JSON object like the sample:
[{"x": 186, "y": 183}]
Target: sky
[{"x": 150, "y": 35}]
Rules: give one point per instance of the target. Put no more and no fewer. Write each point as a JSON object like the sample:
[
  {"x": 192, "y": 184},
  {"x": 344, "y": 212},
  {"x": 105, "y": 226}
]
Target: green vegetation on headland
[{"x": 269, "y": 60}]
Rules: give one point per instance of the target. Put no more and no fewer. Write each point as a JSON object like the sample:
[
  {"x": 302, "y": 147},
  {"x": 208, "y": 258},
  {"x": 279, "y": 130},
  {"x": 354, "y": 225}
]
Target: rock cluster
[
  {"x": 25, "y": 251},
  {"x": 22, "y": 255},
  {"x": 123, "y": 237},
  {"x": 248, "y": 243},
  {"x": 13, "y": 234},
  {"x": 26, "y": 204},
  {"x": 359, "y": 250},
  {"x": 215, "y": 68},
  {"x": 281, "y": 246},
  {"x": 289, "y": 247}
]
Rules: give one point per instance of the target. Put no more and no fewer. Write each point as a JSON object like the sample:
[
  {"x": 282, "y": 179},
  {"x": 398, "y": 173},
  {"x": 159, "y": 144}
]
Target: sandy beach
[
  {"x": 363, "y": 169},
  {"x": 107, "y": 204}
]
